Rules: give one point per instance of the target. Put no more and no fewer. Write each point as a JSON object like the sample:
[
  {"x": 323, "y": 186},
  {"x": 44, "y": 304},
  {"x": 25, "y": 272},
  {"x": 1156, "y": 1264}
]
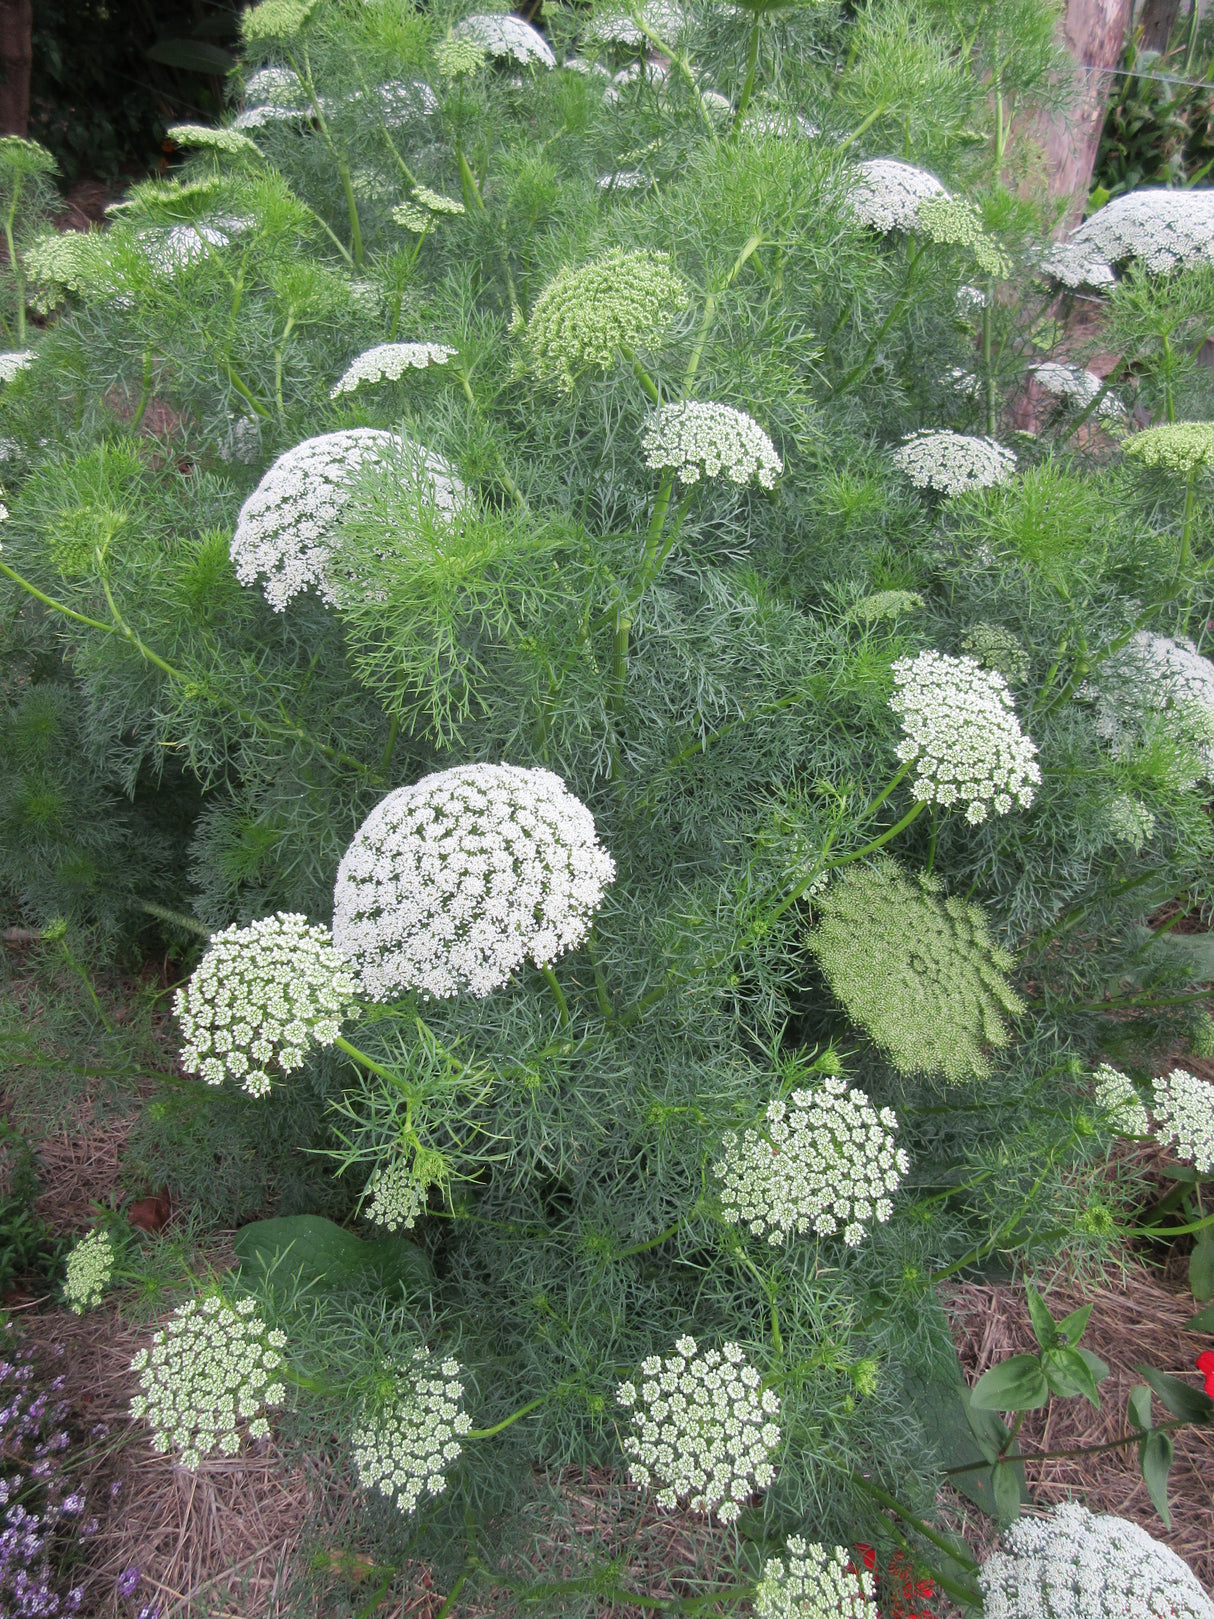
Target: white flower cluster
[
  {"x": 272, "y": 95},
  {"x": 1128, "y": 820},
  {"x": 662, "y": 17},
  {"x": 814, "y": 1584},
  {"x": 452, "y": 883},
  {"x": 406, "y": 1449},
  {"x": 1161, "y": 678},
  {"x": 886, "y": 193},
  {"x": 1073, "y": 383},
  {"x": 13, "y": 361},
  {"x": 692, "y": 439},
  {"x": 1115, "y": 1093},
  {"x": 504, "y": 35},
  {"x": 951, "y": 462},
  {"x": 402, "y": 101},
  {"x": 262, "y": 994},
  {"x": 624, "y": 180},
  {"x": 389, "y": 362},
  {"x": 1071, "y": 1564},
  {"x": 1167, "y": 230},
  {"x": 285, "y": 531},
  {"x": 89, "y": 1268},
  {"x": 1184, "y": 1113},
  {"x": 210, "y": 1368},
  {"x": 212, "y": 139},
  {"x": 1075, "y": 264},
  {"x": 176, "y": 247},
  {"x": 397, "y": 1197},
  {"x": 701, "y": 1429},
  {"x": 825, "y": 1164},
  {"x": 960, "y": 728}
]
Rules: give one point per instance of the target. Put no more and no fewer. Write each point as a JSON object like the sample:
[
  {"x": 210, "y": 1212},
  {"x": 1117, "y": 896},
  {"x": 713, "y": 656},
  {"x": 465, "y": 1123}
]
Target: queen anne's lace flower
[
  {"x": 454, "y": 882},
  {"x": 885, "y": 604},
  {"x": 389, "y": 362},
  {"x": 503, "y": 34},
  {"x": 1180, "y": 447},
  {"x": 954, "y": 462},
  {"x": 961, "y": 731},
  {"x": 1128, "y": 820},
  {"x": 14, "y": 361},
  {"x": 263, "y": 994},
  {"x": 405, "y": 1446},
  {"x": 887, "y": 193},
  {"x": 814, "y": 1584},
  {"x": 89, "y": 1268},
  {"x": 661, "y": 17},
  {"x": 402, "y": 101},
  {"x": 397, "y": 1197},
  {"x": 1074, "y": 1565},
  {"x": 825, "y": 1162},
  {"x": 1167, "y": 230},
  {"x": 586, "y": 316},
  {"x": 1184, "y": 1112},
  {"x": 691, "y": 440},
  {"x": 701, "y": 1431},
  {"x": 174, "y": 248},
  {"x": 209, "y": 1369},
  {"x": 1115, "y": 1093},
  {"x": 272, "y": 95},
  {"x": 1077, "y": 386},
  {"x": 229, "y": 141},
  {"x": 286, "y": 529},
  {"x": 1155, "y": 679},
  {"x": 624, "y": 180},
  {"x": 997, "y": 648}
]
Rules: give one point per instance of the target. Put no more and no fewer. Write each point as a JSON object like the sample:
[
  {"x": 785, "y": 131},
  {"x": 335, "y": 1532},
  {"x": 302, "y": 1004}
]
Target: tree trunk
[
  {"x": 16, "y": 58},
  {"x": 1157, "y": 20},
  {"x": 1094, "y": 32}
]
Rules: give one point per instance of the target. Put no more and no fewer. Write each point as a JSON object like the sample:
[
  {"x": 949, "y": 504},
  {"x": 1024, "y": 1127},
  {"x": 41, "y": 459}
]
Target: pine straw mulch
[{"x": 1138, "y": 1323}]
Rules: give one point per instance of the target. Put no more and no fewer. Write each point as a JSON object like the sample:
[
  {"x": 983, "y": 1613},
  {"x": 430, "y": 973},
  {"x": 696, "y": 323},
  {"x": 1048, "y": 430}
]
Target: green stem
[
  {"x": 279, "y": 351},
  {"x": 145, "y": 392},
  {"x": 988, "y": 311},
  {"x": 558, "y": 995},
  {"x": 245, "y": 392},
  {"x": 15, "y": 262},
  {"x": 654, "y": 1242},
  {"x": 860, "y": 129},
  {"x": 452, "y": 1595},
  {"x": 903, "y": 299},
  {"x": 389, "y": 745},
  {"x": 362, "y": 1058},
  {"x": 642, "y": 376},
  {"x": 858, "y": 854},
  {"x": 752, "y": 63},
  {"x": 1083, "y": 1450},
  {"x": 179, "y": 919},
  {"x": 488, "y": 1433}
]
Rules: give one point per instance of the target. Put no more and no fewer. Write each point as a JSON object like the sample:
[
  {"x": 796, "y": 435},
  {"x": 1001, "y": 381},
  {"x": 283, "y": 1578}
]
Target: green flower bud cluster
[
  {"x": 587, "y": 316},
  {"x": 1179, "y": 447}
]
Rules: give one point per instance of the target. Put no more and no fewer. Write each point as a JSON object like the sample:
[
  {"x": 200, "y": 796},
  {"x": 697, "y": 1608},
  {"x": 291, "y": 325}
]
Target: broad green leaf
[
  {"x": 1098, "y": 1368},
  {"x": 1017, "y": 1384},
  {"x": 1007, "y": 1492},
  {"x": 1044, "y": 1329},
  {"x": 191, "y": 56},
  {"x": 1201, "y": 1267},
  {"x": 1068, "y": 1373},
  {"x": 1138, "y": 1407},
  {"x": 1183, "y": 1401},
  {"x": 1072, "y": 1327},
  {"x": 1155, "y": 1458},
  {"x": 1203, "y": 1321},
  {"x": 319, "y": 1252}
]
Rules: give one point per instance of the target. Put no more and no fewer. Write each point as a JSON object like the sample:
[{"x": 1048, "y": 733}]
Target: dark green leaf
[
  {"x": 191, "y": 56},
  {"x": 1155, "y": 1458},
  {"x": 319, "y": 1252},
  {"x": 1138, "y": 1407},
  {"x": 1201, "y": 1267},
  {"x": 1017, "y": 1384},
  {"x": 1098, "y": 1368},
  {"x": 1007, "y": 1492},
  {"x": 1203, "y": 1321},
  {"x": 1182, "y": 1400},
  {"x": 1068, "y": 1373},
  {"x": 1072, "y": 1327},
  {"x": 1043, "y": 1322}
]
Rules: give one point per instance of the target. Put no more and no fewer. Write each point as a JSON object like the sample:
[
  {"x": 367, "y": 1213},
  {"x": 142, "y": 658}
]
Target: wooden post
[
  {"x": 16, "y": 58},
  {"x": 1094, "y": 32}
]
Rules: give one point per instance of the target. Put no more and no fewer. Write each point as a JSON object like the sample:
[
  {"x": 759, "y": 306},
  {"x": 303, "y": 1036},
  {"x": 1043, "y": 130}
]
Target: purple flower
[
  {"x": 128, "y": 1580},
  {"x": 150, "y": 1610},
  {"x": 73, "y": 1503},
  {"x": 115, "y": 1489}
]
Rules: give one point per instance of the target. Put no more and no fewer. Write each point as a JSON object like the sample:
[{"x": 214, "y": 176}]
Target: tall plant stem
[
  {"x": 863, "y": 127},
  {"x": 145, "y": 391},
  {"x": 279, "y": 351},
  {"x": 488, "y": 1433},
  {"x": 373, "y": 1066},
  {"x": 343, "y": 168},
  {"x": 988, "y": 311},
  {"x": 15, "y": 262},
  {"x": 558, "y": 995},
  {"x": 752, "y": 63},
  {"x": 389, "y": 745},
  {"x": 857, "y": 371}
]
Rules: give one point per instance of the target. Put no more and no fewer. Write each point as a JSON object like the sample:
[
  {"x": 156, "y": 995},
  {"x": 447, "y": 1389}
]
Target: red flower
[
  {"x": 1205, "y": 1365},
  {"x": 901, "y": 1572}
]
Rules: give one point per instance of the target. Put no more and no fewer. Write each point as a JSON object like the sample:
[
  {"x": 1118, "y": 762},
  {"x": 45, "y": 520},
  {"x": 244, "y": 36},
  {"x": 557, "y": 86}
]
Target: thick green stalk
[
  {"x": 375, "y": 1067},
  {"x": 279, "y": 351},
  {"x": 488, "y": 1433},
  {"x": 14, "y": 261},
  {"x": 752, "y": 63},
  {"x": 558, "y": 995}
]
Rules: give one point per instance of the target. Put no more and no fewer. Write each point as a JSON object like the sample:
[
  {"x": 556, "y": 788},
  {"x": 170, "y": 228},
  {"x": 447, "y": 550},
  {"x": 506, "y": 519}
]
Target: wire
[{"x": 1158, "y": 78}]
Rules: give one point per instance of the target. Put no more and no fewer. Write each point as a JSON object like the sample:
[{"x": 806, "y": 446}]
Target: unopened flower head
[
  {"x": 586, "y": 316},
  {"x": 1179, "y": 447},
  {"x": 1166, "y": 230},
  {"x": 13, "y": 361},
  {"x": 824, "y": 1161},
  {"x": 397, "y": 1197},
  {"x": 261, "y": 996},
  {"x": 388, "y": 362},
  {"x": 435, "y": 202},
  {"x": 815, "y": 1583},
  {"x": 275, "y": 19},
  {"x": 502, "y": 34},
  {"x": 206, "y": 136},
  {"x": 209, "y": 1369},
  {"x": 286, "y": 531},
  {"x": 1128, "y": 820},
  {"x": 693, "y": 440},
  {"x": 1115, "y": 1094},
  {"x": 1075, "y": 1565},
  {"x": 887, "y": 193},
  {"x": 702, "y": 1431},
  {"x": 452, "y": 883},
  {"x": 916, "y": 969},
  {"x": 1076, "y": 386},
  {"x": 951, "y": 462},
  {"x": 90, "y": 1266},
  {"x": 997, "y": 648},
  {"x": 1184, "y": 1112},
  {"x": 409, "y": 1437},
  {"x": 455, "y": 57},
  {"x": 1156, "y": 681},
  {"x": 885, "y": 604},
  {"x": 961, "y": 733},
  {"x": 956, "y": 223}
]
